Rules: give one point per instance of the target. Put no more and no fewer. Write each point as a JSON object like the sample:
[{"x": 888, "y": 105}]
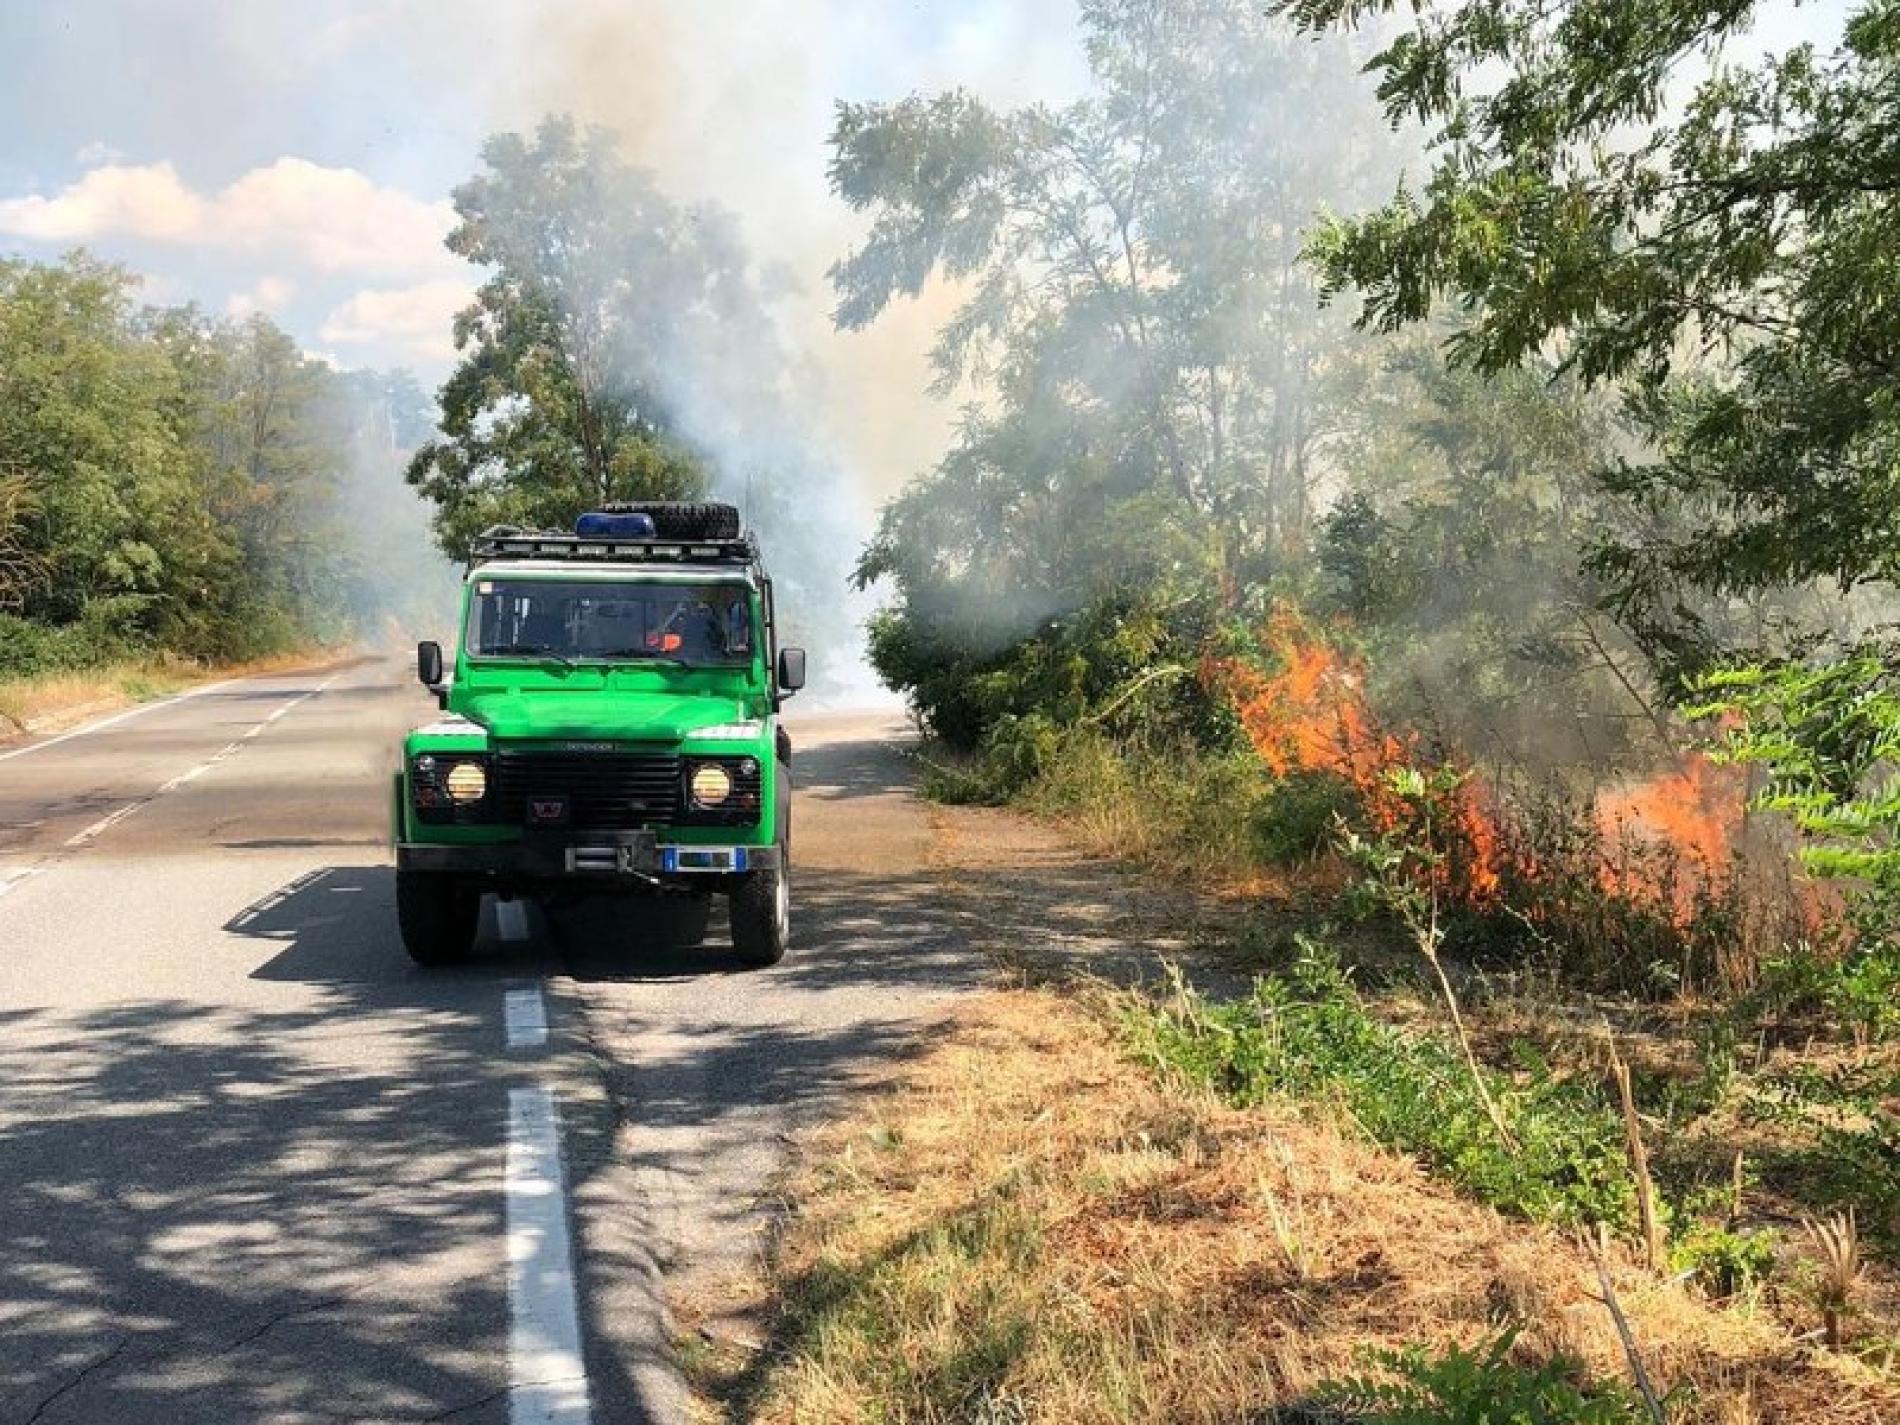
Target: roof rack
[{"x": 507, "y": 542}]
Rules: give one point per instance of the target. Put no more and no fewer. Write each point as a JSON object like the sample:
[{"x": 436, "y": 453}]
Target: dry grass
[
  {"x": 51, "y": 702},
  {"x": 1030, "y": 1227}
]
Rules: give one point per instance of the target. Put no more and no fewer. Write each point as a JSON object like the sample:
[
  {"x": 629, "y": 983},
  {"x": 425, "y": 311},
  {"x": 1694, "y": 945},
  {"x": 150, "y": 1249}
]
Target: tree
[
  {"x": 1454, "y": 554},
  {"x": 1150, "y": 369},
  {"x": 21, "y": 570},
  {"x": 1137, "y": 316},
  {"x": 1716, "y": 236},
  {"x": 84, "y": 427},
  {"x": 173, "y": 482},
  {"x": 556, "y": 406}
]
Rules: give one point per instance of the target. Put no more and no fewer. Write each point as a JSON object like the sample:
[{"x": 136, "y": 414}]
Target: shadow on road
[{"x": 288, "y": 1203}]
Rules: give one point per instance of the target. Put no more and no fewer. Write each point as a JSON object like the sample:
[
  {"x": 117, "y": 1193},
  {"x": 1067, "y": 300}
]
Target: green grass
[
  {"x": 1481, "y": 1387},
  {"x": 1308, "y": 1035}
]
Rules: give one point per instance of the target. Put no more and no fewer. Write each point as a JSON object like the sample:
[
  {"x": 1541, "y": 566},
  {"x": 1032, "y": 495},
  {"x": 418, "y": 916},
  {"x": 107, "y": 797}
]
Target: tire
[
  {"x": 760, "y": 909},
  {"x": 438, "y": 916},
  {"x": 683, "y": 519}
]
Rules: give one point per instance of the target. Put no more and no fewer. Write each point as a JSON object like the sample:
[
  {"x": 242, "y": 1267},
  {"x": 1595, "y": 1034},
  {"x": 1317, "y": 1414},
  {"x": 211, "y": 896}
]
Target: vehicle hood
[{"x": 599, "y": 716}]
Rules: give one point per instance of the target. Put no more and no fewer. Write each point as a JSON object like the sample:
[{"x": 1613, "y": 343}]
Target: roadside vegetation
[
  {"x": 1512, "y": 663},
  {"x": 179, "y": 492}
]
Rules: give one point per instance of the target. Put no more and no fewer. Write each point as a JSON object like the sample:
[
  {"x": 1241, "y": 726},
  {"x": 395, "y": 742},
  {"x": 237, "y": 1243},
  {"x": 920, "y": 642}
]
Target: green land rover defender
[{"x": 610, "y": 727}]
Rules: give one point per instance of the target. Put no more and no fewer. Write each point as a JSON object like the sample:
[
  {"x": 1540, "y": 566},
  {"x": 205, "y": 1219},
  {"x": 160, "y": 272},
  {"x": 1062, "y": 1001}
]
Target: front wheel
[
  {"x": 760, "y": 908},
  {"x": 438, "y": 915}
]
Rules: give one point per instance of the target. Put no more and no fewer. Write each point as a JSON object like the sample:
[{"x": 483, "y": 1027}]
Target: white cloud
[
  {"x": 267, "y": 294},
  {"x": 335, "y": 219},
  {"x": 418, "y": 321},
  {"x": 149, "y": 201},
  {"x": 98, "y": 152}
]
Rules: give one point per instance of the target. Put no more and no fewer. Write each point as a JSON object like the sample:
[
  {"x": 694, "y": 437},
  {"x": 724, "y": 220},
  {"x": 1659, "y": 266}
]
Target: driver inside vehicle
[{"x": 699, "y": 635}]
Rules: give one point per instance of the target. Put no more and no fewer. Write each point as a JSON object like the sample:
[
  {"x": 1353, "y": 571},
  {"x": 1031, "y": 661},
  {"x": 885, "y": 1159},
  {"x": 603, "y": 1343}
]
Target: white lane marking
[
  {"x": 103, "y": 723},
  {"x": 526, "y": 1014},
  {"x": 106, "y": 823},
  {"x": 511, "y": 920},
  {"x": 547, "y": 1381},
  {"x": 7, "y": 883}
]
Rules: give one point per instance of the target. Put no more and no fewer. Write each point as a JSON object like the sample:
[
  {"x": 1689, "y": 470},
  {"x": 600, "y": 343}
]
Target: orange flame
[
  {"x": 1311, "y": 715},
  {"x": 1688, "y": 811}
]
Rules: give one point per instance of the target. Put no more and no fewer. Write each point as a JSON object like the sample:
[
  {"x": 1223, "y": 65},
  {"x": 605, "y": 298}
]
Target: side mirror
[
  {"x": 429, "y": 664},
  {"x": 791, "y": 669}
]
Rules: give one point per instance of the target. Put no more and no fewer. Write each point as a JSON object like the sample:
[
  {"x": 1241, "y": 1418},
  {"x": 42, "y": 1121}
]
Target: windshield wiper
[
  {"x": 529, "y": 650},
  {"x": 645, "y": 655}
]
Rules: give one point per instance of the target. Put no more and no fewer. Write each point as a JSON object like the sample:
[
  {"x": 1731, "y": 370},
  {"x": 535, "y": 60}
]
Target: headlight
[
  {"x": 466, "y": 783},
  {"x": 711, "y": 785}
]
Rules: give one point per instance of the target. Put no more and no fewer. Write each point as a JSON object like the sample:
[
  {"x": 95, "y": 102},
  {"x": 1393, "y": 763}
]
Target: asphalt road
[{"x": 255, "y": 1166}]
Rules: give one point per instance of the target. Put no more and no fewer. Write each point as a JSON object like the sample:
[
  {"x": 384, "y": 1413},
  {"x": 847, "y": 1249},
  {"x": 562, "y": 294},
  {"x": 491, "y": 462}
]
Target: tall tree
[
  {"x": 1715, "y": 234},
  {"x": 556, "y": 407},
  {"x": 1136, "y": 303},
  {"x": 1150, "y": 373}
]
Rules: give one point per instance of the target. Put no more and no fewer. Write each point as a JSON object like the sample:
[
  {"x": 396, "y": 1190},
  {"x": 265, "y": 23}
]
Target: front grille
[{"x": 598, "y": 791}]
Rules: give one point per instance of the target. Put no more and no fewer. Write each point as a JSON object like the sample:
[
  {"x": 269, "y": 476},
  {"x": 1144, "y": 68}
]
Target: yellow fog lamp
[
  {"x": 466, "y": 783},
  {"x": 711, "y": 785}
]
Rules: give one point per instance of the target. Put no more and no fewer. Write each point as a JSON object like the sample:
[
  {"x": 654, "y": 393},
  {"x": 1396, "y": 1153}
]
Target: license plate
[{"x": 726, "y": 859}]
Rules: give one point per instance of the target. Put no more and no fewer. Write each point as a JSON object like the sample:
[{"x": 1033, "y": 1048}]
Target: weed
[
  {"x": 1849, "y": 1116},
  {"x": 1479, "y": 1387},
  {"x": 1726, "y": 1262},
  {"x": 1308, "y": 1035},
  {"x": 1838, "y": 1242}
]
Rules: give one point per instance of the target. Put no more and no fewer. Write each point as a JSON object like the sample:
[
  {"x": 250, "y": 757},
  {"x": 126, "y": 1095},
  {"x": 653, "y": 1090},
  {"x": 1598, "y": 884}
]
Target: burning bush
[{"x": 1652, "y": 883}]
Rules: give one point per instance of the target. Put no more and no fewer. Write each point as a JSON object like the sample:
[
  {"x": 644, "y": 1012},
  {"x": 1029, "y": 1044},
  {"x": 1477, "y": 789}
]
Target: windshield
[{"x": 594, "y": 620}]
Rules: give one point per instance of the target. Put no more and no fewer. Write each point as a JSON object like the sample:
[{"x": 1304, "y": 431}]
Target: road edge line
[{"x": 547, "y": 1374}]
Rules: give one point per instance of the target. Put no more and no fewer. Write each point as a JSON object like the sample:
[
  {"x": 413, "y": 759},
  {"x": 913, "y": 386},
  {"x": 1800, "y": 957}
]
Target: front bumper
[{"x": 636, "y": 854}]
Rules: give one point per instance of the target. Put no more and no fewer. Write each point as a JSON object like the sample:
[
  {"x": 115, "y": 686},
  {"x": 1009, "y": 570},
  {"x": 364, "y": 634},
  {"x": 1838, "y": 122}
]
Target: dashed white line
[
  {"x": 7, "y": 883},
  {"x": 106, "y": 823},
  {"x": 547, "y": 1379},
  {"x": 526, "y": 1015}
]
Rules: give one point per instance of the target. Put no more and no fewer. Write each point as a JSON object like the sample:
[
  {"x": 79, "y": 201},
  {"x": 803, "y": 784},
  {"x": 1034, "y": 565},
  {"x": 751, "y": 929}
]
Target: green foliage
[
  {"x": 1308, "y": 1035},
  {"x": 1725, "y": 1261},
  {"x": 1848, "y": 1117},
  {"x": 1479, "y": 1387},
  {"x": 1156, "y": 383},
  {"x": 557, "y": 406},
  {"x": 1297, "y": 816},
  {"x": 1455, "y": 554},
  {"x": 1609, "y": 183},
  {"x": 1828, "y": 736},
  {"x": 172, "y": 482},
  {"x": 1126, "y": 664}
]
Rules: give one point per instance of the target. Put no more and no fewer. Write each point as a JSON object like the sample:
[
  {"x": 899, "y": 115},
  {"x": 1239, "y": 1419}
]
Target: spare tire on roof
[{"x": 684, "y": 519}]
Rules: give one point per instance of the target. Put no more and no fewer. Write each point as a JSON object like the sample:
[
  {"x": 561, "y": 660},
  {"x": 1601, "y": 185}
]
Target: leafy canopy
[
  {"x": 1151, "y": 379},
  {"x": 172, "y": 481},
  {"x": 555, "y": 407},
  {"x": 1718, "y": 234}
]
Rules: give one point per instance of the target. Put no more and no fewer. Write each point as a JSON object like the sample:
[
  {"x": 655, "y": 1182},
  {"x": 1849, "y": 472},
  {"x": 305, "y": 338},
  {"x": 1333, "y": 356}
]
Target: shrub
[
  {"x": 1308, "y": 1035},
  {"x": 1724, "y": 1261},
  {"x": 106, "y": 630},
  {"x": 1297, "y": 817},
  {"x": 1480, "y": 1387}
]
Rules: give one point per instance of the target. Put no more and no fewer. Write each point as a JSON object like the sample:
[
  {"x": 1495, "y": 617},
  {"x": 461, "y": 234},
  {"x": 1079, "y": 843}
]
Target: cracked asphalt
[{"x": 254, "y": 1165}]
